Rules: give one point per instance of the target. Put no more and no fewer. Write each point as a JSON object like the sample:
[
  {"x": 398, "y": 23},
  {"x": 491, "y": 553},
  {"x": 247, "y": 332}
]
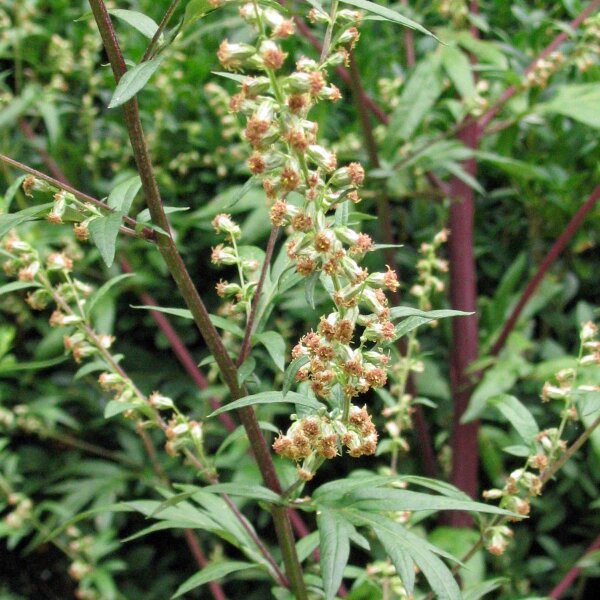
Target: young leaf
[
  {"x": 143, "y": 23},
  {"x": 104, "y": 232},
  {"x": 290, "y": 374},
  {"x": 104, "y": 289},
  {"x": 133, "y": 81},
  {"x": 123, "y": 194},
  {"x": 517, "y": 415},
  {"x": 388, "y": 15},
  {"x": 275, "y": 345},
  {"x": 210, "y": 573},
  {"x": 268, "y": 398},
  {"x": 114, "y": 408},
  {"x": 334, "y": 535}
]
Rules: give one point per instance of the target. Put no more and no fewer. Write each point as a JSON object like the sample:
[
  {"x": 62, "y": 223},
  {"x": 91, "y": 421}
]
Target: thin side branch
[{"x": 161, "y": 27}]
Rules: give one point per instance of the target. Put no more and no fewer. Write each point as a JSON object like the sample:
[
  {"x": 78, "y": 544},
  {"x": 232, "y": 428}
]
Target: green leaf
[
  {"x": 123, "y": 194},
  {"x": 416, "y": 100},
  {"x": 104, "y": 232},
  {"x": 578, "y": 101},
  {"x": 517, "y": 415},
  {"x": 226, "y": 325},
  {"x": 438, "y": 575},
  {"x": 12, "y": 191},
  {"x": 398, "y": 312},
  {"x": 268, "y": 398},
  {"x": 210, "y": 573},
  {"x": 143, "y": 23},
  {"x": 11, "y": 220},
  {"x": 15, "y": 286},
  {"x": 245, "y": 189},
  {"x": 275, "y": 345},
  {"x": 400, "y": 558},
  {"x": 133, "y": 81},
  {"x": 114, "y": 408},
  {"x": 144, "y": 215},
  {"x": 246, "y": 369},
  {"x": 334, "y": 536},
  {"x": 484, "y": 50},
  {"x": 196, "y": 10},
  {"x": 256, "y": 492},
  {"x": 290, "y": 373},
  {"x": 104, "y": 289},
  {"x": 458, "y": 67},
  {"x": 394, "y": 499},
  {"x": 10, "y": 369},
  {"x": 88, "y": 368},
  {"x": 388, "y": 15},
  {"x": 184, "y": 313},
  {"x": 483, "y": 588},
  {"x": 309, "y": 290},
  {"x": 233, "y": 76},
  {"x": 512, "y": 166}
]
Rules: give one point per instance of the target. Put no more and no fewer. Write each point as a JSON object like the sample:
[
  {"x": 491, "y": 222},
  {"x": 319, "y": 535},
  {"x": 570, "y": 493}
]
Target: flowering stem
[
  {"x": 145, "y": 233},
  {"x": 184, "y": 282},
  {"x": 329, "y": 31}
]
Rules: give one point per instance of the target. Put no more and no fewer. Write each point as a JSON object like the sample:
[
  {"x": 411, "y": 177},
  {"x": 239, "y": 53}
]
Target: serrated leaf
[
  {"x": 184, "y": 313},
  {"x": 104, "y": 232},
  {"x": 104, "y": 289},
  {"x": 517, "y": 415},
  {"x": 114, "y": 408},
  {"x": 268, "y": 398},
  {"x": 143, "y": 23},
  {"x": 290, "y": 373},
  {"x": 388, "y": 15},
  {"x": 210, "y": 573},
  {"x": 275, "y": 345},
  {"x": 123, "y": 194},
  {"x": 334, "y": 536},
  {"x": 133, "y": 81}
]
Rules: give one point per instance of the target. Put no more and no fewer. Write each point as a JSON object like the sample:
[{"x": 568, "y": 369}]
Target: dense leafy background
[{"x": 534, "y": 173}]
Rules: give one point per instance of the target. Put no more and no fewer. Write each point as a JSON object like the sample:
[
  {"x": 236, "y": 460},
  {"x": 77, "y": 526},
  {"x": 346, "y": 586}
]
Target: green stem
[
  {"x": 329, "y": 32},
  {"x": 161, "y": 27},
  {"x": 180, "y": 274}
]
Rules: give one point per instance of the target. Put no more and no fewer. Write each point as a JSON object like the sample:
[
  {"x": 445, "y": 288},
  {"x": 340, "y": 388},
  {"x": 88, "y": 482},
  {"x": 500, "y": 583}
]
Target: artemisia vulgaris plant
[{"x": 344, "y": 391}]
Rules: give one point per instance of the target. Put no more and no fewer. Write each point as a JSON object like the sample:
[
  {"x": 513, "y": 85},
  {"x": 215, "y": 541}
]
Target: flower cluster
[
  {"x": 587, "y": 50},
  {"x": 322, "y": 435},
  {"x": 527, "y": 482},
  {"x": 543, "y": 69},
  {"x": 54, "y": 283},
  {"x": 305, "y": 186}
]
